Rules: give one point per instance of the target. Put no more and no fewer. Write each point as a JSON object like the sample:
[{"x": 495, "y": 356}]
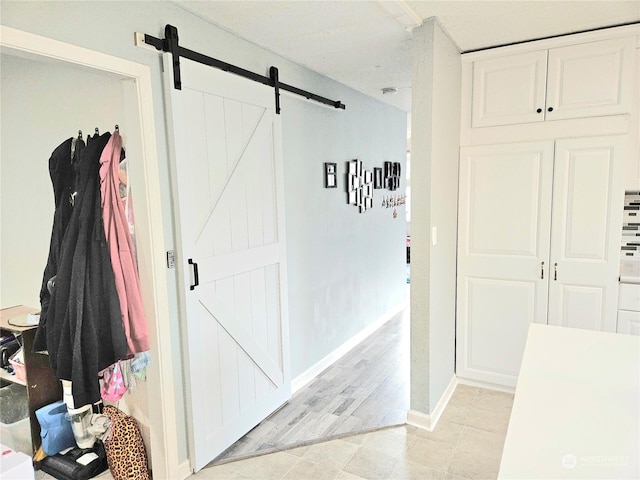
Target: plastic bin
[
  {"x": 15, "y": 429},
  {"x": 15, "y": 464}
]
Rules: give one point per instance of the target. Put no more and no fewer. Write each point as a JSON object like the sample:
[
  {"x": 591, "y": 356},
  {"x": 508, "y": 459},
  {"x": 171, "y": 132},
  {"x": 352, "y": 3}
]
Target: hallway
[
  {"x": 366, "y": 389},
  {"x": 466, "y": 444}
]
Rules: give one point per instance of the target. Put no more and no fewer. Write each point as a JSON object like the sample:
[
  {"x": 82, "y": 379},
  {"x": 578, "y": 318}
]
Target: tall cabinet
[{"x": 546, "y": 141}]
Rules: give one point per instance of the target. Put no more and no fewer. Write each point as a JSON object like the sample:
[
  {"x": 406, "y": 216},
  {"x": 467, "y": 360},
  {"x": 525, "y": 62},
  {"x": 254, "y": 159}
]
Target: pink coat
[{"x": 120, "y": 245}]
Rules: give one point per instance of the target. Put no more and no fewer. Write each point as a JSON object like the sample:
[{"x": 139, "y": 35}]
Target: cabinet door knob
[
  {"x": 555, "y": 271},
  {"x": 539, "y": 110},
  {"x": 550, "y": 109},
  {"x": 542, "y": 270}
]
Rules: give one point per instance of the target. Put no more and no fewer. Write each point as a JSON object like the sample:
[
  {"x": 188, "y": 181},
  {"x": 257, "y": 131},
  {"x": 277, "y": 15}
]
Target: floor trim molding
[
  {"x": 429, "y": 421},
  {"x": 487, "y": 385},
  {"x": 312, "y": 372},
  {"x": 184, "y": 469}
]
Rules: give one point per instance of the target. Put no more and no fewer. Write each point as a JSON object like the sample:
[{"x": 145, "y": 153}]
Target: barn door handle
[{"x": 196, "y": 278}]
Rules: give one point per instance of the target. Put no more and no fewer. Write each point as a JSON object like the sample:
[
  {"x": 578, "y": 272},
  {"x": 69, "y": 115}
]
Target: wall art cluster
[
  {"x": 359, "y": 186},
  {"x": 361, "y": 183}
]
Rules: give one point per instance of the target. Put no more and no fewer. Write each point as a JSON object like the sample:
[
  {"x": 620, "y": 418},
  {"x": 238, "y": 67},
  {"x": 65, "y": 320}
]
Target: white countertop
[{"x": 576, "y": 412}]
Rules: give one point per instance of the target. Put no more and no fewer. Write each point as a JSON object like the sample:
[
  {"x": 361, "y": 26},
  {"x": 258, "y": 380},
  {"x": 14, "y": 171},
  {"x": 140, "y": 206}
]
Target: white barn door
[{"x": 230, "y": 207}]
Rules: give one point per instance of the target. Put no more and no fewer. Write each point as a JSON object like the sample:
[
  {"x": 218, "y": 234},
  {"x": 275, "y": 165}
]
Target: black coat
[
  {"x": 63, "y": 181},
  {"x": 84, "y": 331}
]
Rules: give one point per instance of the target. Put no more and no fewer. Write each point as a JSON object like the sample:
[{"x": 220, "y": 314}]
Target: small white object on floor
[{"x": 15, "y": 464}]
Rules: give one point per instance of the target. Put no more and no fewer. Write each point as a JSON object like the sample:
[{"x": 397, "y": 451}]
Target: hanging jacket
[
  {"x": 63, "y": 180},
  {"x": 121, "y": 250},
  {"x": 84, "y": 326}
]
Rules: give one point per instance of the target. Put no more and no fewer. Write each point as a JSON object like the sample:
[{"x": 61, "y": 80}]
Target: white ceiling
[{"x": 366, "y": 44}]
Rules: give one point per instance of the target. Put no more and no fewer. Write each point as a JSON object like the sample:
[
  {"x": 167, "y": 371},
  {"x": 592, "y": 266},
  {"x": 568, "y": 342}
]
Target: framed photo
[
  {"x": 353, "y": 167},
  {"x": 377, "y": 178},
  {"x": 368, "y": 176},
  {"x": 368, "y": 202},
  {"x": 330, "y": 176},
  {"x": 368, "y": 190}
]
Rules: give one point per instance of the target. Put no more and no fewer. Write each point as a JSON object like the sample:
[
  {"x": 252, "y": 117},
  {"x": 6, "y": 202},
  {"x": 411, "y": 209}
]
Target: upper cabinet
[
  {"x": 575, "y": 81},
  {"x": 509, "y": 89}
]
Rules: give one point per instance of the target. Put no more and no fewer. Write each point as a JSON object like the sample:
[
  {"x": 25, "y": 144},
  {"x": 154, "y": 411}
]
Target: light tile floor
[{"x": 466, "y": 444}]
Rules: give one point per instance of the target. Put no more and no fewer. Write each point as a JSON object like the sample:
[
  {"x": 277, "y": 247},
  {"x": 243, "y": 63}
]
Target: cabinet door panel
[
  {"x": 628, "y": 322},
  {"x": 582, "y": 306},
  {"x": 498, "y": 310},
  {"x": 590, "y": 79},
  {"x": 509, "y": 90},
  {"x": 585, "y": 232},
  {"x": 503, "y": 236}
]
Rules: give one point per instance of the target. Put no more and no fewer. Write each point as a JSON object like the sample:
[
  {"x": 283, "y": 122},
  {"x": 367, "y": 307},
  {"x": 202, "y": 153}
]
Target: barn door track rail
[{"x": 170, "y": 44}]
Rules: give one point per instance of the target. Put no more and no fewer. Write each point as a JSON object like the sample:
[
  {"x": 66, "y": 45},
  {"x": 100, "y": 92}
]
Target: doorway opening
[
  {"x": 33, "y": 130},
  {"x": 365, "y": 390}
]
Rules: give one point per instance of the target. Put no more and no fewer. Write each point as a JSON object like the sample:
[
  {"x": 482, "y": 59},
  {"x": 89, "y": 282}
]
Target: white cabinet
[
  {"x": 575, "y": 81},
  {"x": 629, "y": 322},
  {"x": 588, "y": 200},
  {"x": 629, "y": 305},
  {"x": 509, "y": 89},
  {"x": 538, "y": 229}
]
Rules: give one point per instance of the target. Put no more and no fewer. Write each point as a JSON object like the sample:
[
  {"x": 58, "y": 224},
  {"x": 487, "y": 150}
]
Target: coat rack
[{"x": 170, "y": 44}]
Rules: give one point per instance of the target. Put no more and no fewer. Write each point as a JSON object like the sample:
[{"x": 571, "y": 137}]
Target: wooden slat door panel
[{"x": 228, "y": 166}]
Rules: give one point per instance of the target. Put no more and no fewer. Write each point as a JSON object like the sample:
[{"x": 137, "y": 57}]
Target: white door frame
[{"x": 145, "y": 181}]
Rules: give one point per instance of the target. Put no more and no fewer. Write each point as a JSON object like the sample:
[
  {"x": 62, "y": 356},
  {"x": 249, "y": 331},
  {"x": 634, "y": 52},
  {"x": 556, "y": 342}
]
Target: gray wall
[
  {"x": 434, "y": 186},
  {"x": 40, "y": 109},
  {"x": 345, "y": 269}
]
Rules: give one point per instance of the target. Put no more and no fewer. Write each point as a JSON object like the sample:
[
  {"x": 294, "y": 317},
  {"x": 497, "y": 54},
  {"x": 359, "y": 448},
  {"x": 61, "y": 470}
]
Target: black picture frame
[
  {"x": 330, "y": 175},
  {"x": 378, "y": 180}
]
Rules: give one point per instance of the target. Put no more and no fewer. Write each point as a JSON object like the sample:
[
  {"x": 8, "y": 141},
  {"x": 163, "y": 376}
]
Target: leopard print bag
[{"x": 126, "y": 455}]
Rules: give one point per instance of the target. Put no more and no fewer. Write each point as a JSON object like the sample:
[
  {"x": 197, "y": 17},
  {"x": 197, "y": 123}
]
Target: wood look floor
[
  {"x": 466, "y": 444},
  {"x": 366, "y": 389}
]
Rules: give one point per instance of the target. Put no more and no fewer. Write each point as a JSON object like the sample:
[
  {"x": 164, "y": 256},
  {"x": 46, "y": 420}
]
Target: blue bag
[{"x": 55, "y": 428}]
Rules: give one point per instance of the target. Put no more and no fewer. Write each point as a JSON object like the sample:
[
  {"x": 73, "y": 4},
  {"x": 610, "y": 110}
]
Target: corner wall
[{"x": 435, "y": 112}]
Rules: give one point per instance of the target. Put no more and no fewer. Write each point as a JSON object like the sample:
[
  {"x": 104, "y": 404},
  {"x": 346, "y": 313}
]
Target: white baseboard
[
  {"x": 308, "y": 375},
  {"x": 427, "y": 421},
  {"x": 184, "y": 470},
  {"x": 487, "y": 385}
]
